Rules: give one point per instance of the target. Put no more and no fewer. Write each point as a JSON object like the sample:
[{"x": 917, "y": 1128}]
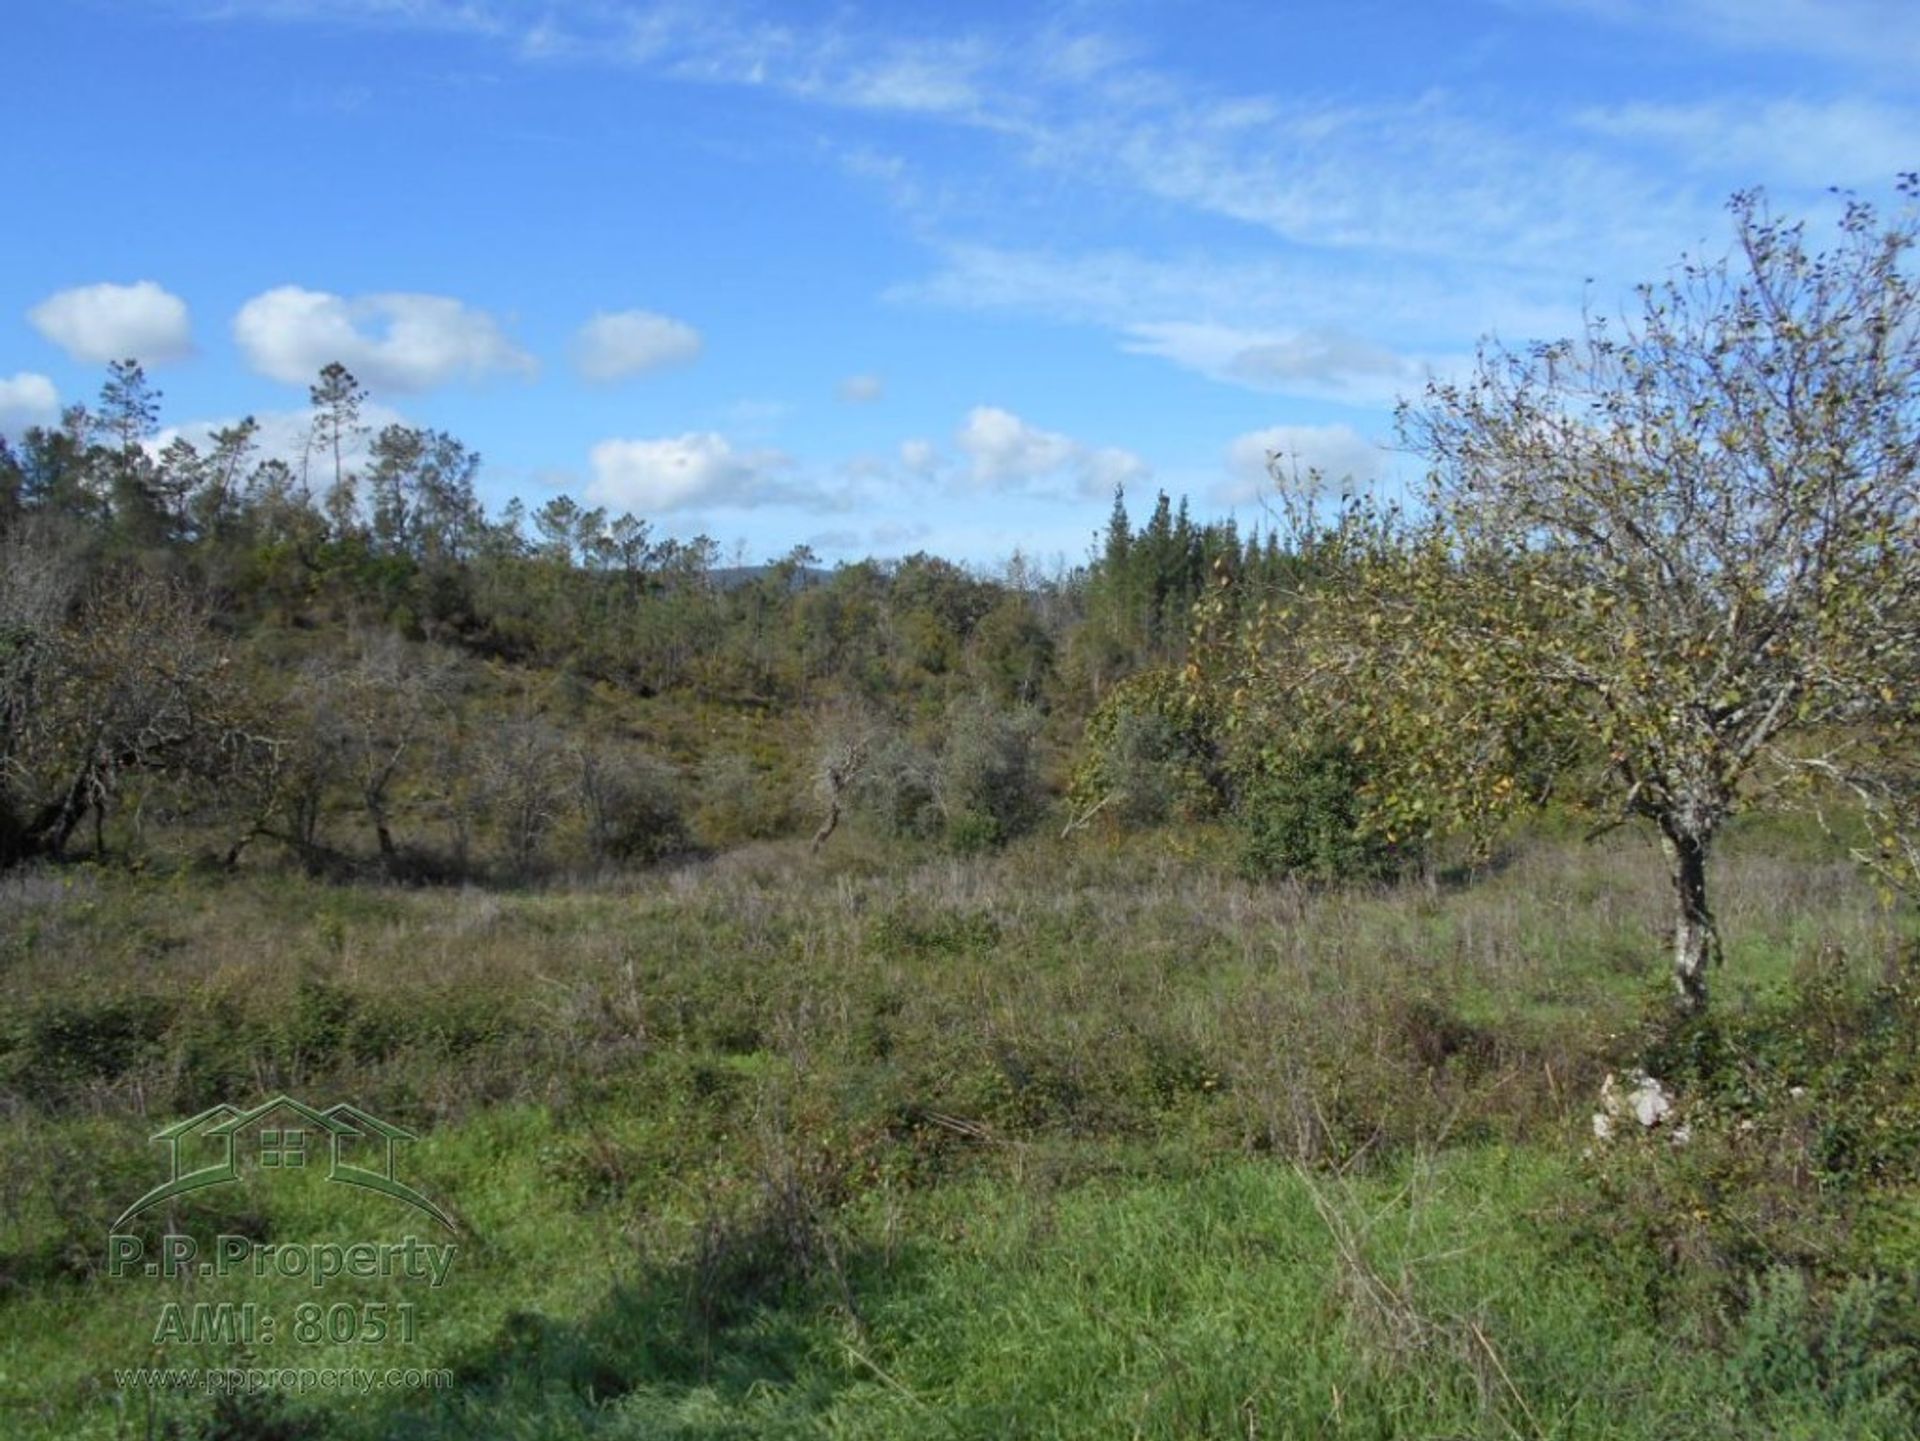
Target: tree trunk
[
  {"x": 236, "y": 849},
  {"x": 827, "y": 826},
  {"x": 1696, "y": 940},
  {"x": 382, "y": 833},
  {"x": 54, "y": 826}
]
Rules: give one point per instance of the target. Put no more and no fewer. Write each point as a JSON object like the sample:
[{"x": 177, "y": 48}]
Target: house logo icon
[{"x": 282, "y": 1134}]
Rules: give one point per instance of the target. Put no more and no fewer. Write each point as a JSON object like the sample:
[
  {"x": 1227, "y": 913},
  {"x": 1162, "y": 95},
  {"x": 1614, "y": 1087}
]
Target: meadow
[{"x": 1077, "y": 1137}]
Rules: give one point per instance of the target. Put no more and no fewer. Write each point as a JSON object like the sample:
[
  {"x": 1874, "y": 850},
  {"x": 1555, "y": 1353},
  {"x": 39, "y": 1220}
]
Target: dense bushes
[
  {"x": 972, "y": 782},
  {"x": 1775, "y": 1203},
  {"x": 1158, "y": 749},
  {"x": 986, "y": 789},
  {"x": 385, "y": 658},
  {"x": 631, "y": 805},
  {"x": 1301, "y": 811},
  {"x": 1151, "y": 753}
]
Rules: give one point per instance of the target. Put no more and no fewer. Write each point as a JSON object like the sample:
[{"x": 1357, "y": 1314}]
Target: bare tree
[
  {"x": 846, "y": 736},
  {"x": 135, "y": 681},
  {"x": 384, "y": 697},
  {"x": 522, "y": 777}
]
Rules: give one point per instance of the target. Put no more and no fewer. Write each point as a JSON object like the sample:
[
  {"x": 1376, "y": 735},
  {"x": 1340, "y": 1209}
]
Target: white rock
[
  {"x": 1643, "y": 1098},
  {"x": 1649, "y": 1099}
]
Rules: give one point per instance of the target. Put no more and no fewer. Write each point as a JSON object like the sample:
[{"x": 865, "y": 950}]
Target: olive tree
[{"x": 1670, "y": 566}]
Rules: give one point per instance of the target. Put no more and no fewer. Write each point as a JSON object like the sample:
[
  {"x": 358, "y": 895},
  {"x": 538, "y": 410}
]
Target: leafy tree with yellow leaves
[{"x": 1666, "y": 570}]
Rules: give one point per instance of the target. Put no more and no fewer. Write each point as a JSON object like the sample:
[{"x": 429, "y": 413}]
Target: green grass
[
  {"x": 1069, "y": 1140},
  {"x": 1433, "y": 1298}
]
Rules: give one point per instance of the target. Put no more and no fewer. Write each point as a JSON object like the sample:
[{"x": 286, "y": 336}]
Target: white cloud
[
  {"x": 700, "y": 468},
  {"x": 830, "y": 542},
  {"x": 1006, "y": 453},
  {"x": 393, "y": 341},
  {"x": 921, "y": 457},
  {"x": 1850, "y": 141},
  {"x": 1110, "y": 467},
  {"x": 830, "y": 64},
  {"x": 861, "y": 389},
  {"x": 104, "y": 322},
  {"x": 886, "y": 538},
  {"x": 1004, "y": 448},
  {"x": 27, "y": 399},
  {"x": 1290, "y": 317},
  {"x": 1435, "y": 214},
  {"x": 1874, "y": 33},
  {"x": 834, "y": 63},
  {"x": 615, "y": 345},
  {"x": 897, "y": 533},
  {"x": 928, "y": 81},
  {"x": 1417, "y": 178},
  {"x": 1338, "y": 452},
  {"x": 1327, "y": 365},
  {"x": 478, "y": 17}
]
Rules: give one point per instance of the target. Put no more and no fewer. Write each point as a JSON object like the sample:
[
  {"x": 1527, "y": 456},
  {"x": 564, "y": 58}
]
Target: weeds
[{"x": 778, "y": 1138}]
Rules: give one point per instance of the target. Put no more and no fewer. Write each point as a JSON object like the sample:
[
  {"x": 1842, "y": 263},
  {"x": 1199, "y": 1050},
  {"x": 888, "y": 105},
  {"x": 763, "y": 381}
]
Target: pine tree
[{"x": 336, "y": 399}]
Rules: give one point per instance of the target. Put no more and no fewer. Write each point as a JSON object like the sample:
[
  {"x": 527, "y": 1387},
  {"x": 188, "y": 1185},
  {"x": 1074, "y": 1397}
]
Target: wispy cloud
[
  {"x": 1339, "y": 454},
  {"x": 1875, "y": 34},
  {"x": 838, "y": 61},
  {"x": 462, "y": 16},
  {"x": 1844, "y": 141},
  {"x": 1322, "y": 239},
  {"x": 1284, "y": 326},
  {"x": 1325, "y": 365},
  {"x": 1418, "y": 174},
  {"x": 861, "y": 389},
  {"x": 621, "y": 344}
]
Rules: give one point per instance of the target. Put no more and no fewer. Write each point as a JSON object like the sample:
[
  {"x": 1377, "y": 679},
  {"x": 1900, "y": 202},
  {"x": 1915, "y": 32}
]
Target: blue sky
[{"x": 888, "y": 278}]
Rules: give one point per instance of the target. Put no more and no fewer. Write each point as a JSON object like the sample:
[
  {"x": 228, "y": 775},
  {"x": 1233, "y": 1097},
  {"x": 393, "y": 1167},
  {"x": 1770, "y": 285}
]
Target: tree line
[{"x": 291, "y": 638}]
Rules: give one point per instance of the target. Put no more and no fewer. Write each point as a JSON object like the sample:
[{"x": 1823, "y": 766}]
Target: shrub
[
  {"x": 1796, "y": 1359},
  {"x": 1302, "y": 813},
  {"x": 739, "y": 801},
  {"x": 987, "y": 789},
  {"x": 894, "y": 792},
  {"x": 631, "y": 804},
  {"x": 978, "y": 788},
  {"x": 1802, "y": 1144},
  {"x": 1151, "y": 753}
]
